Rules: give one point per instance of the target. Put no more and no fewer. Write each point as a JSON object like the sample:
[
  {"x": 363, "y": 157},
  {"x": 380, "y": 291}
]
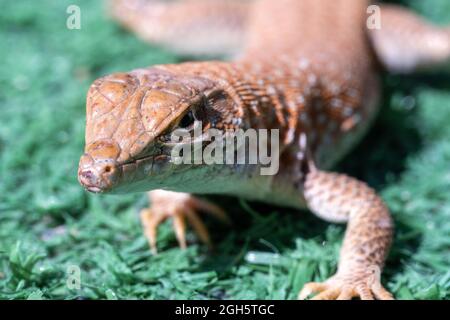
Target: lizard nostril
[
  {"x": 87, "y": 174},
  {"x": 108, "y": 169}
]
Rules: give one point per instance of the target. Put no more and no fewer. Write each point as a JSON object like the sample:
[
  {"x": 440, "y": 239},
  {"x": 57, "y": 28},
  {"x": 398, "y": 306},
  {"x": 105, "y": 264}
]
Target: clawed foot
[
  {"x": 180, "y": 207},
  {"x": 346, "y": 287}
]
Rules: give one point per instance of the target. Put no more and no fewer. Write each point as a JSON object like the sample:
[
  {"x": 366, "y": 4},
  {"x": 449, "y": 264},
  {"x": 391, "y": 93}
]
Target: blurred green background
[{"x": 48, "y": 224}]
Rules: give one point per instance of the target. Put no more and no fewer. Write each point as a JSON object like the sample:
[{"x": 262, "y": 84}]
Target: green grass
[{"x": 48, "y": 223}]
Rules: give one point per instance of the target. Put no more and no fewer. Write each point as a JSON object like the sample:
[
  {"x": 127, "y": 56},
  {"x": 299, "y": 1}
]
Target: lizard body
[{"x": 311, "y": 71}]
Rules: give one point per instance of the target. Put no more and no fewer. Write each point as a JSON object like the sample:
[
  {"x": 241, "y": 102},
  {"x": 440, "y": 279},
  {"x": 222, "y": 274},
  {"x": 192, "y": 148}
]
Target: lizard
[{"x": 310, "y": 69}]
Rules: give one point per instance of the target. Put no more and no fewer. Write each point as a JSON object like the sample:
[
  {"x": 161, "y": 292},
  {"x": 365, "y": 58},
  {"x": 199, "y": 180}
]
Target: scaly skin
[{"x": 314, "y": 75}]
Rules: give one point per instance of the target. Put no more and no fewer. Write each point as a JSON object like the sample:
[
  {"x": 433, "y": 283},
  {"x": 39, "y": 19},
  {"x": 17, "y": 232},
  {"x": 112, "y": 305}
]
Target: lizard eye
[{"x": 187, "y": 120}]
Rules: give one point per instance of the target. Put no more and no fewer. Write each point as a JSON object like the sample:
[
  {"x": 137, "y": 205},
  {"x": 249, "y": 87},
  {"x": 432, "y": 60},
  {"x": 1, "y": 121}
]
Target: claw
[
  {"x": 346, "y": 294},
  {"x": 329, "y": 294},
  {"x": 345, "y": 288},
  {"x": 150, "y": 223},
  {"x": 310, "y": 288},
  {"x": 364, "y": 292},
  {"x": 212, "y": 209},
  {"x": 380, "y": 292},
  {"x": 180, "y": 207},
  {"x": 199, "y": 227},
  {"x": 179, "y": 226}
]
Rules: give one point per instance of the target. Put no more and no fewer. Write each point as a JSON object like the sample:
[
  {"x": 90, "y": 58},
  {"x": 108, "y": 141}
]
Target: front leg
[
  {"x": 339, "y": 198},
  {"x": 180, "y": 207}
]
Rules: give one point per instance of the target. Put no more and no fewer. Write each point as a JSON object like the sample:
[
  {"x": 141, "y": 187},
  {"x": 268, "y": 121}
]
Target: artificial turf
[{"x": 49, "y": 224}]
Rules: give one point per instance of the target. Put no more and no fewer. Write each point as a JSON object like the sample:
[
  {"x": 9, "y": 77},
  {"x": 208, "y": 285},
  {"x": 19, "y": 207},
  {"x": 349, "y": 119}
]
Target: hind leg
[
  {"x": 189, "y": 27},
  {"x": 407, "y": 43}
]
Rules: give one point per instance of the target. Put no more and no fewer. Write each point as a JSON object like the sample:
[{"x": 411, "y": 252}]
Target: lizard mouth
[
  {"x": 124, "y": 176},
  {"x": 142, "y": 174}
]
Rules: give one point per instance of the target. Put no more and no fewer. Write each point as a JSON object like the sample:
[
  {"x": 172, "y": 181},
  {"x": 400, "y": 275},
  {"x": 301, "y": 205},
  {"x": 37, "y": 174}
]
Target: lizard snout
[
  {"x": 98, "y": 169},
  {"x": 96, "y": 176}
]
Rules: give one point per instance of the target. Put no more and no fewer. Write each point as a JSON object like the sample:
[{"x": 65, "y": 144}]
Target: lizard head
[{"x": 130, "y": 118}]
